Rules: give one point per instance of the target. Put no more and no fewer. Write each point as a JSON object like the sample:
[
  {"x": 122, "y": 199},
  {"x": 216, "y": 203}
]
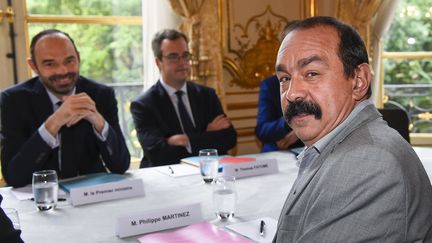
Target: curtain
[
  {"x": 359, "y": 13},
  {"x": 200, "y": 22},
  {"x": 191, "y": 26},
  {"x": 382, "y": 23},
  {"x": 156, "y": 15},
  {"x": 186, "y": 9},
  {"x": 371, "y": 18}
]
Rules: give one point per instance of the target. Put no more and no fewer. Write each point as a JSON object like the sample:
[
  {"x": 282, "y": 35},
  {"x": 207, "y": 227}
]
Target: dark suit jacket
[
  {"x": 7, "y": 231},
  {"x": 156, "y": 120},
  {"x": 271, "y": 125},
  {"x": 26, "y": 106}
]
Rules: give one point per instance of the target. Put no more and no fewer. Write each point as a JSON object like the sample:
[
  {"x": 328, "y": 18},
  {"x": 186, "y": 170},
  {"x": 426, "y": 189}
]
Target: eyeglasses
[{"x": 174, "y": 57}]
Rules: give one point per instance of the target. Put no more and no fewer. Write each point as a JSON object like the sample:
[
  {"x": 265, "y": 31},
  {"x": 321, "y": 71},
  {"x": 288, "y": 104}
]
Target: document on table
[
  {"x": 90, "y": 180},
  {"x": 251, "y": 229},
  {"x": 178, "y": 170}
]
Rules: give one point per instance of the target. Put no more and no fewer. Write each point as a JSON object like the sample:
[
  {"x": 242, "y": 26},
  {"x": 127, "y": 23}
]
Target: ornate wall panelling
[{"x": 250, "y": 34}]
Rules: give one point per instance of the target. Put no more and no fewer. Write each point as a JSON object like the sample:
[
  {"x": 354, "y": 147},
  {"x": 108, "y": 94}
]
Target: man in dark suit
[
  {"x": 176, "y": 118},
  {"x": 59, "y": 120}
]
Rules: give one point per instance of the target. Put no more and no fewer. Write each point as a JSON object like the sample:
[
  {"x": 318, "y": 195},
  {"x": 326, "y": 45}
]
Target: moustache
[
  {"x": 301, "y": 107},
  {"x": 70, "y": 75}
]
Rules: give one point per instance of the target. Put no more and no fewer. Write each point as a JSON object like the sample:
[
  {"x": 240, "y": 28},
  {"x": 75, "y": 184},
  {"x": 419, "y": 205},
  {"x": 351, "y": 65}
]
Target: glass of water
[
  {"x": 209, "y": 163},
  {"x": 224, "y": 197},
  {"x": 45, "y": 189}
]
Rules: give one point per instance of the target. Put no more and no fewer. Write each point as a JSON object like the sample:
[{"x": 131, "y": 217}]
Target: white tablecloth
[{"x": 260, "y": 196}]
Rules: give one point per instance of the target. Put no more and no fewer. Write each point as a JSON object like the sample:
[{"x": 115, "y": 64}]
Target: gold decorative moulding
[{"x": 257, "y": 42}]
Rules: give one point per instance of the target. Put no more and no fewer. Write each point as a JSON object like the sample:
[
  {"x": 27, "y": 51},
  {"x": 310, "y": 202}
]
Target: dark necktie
[
  {"x": 67, "y": 161},
  {"x": 184, "y": 116}
]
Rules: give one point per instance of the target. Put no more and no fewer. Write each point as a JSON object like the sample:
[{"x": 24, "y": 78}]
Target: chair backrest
[{"x": 398, "y": 120}]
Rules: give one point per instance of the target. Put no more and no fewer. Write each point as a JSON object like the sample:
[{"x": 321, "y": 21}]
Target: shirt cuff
[
  {"x": 52, "y": 141},
  {"x": 103, "y": 136}
]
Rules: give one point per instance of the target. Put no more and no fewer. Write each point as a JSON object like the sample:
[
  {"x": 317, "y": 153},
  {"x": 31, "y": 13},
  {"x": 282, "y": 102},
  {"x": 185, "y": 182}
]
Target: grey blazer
[{"x": 367, "y": 185}]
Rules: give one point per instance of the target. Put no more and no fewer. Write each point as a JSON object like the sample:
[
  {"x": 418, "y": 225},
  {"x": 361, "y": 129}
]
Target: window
[
  {"x": 407, "y": 63},
  {"x": 108, "y": 35}
]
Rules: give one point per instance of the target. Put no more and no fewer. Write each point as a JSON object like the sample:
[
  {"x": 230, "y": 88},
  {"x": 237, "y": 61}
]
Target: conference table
[{"x": 257, "y": 197}]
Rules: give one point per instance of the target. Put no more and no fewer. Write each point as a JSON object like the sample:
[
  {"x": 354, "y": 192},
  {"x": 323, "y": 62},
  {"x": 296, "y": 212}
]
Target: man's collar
[
  {"x": 322, "y": 143},
  {"x": 54, "y": 99},
  {"x": 170, "y": 90}
]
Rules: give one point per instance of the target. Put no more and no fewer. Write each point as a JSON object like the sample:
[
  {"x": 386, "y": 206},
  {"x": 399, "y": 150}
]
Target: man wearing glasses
[{"x": 175, "y": 118}]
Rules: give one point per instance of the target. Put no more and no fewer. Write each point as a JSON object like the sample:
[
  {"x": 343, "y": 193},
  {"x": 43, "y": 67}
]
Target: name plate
[
  {"x": 106, "y": 191},
  {"x": 258, "y": 167},
  {"x": 150, "y": 221}
]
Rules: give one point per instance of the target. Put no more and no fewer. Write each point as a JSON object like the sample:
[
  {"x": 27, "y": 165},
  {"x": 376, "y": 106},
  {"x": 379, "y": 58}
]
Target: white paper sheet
[
  {"x": 251, "y": 229},
  {"x": 23, "y": 193},
  {"x": 178, "y": 170}
]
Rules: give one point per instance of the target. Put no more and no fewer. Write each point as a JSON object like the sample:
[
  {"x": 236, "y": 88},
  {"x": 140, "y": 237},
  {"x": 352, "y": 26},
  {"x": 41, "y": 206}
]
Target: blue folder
[{"x": 89, "y": 180}]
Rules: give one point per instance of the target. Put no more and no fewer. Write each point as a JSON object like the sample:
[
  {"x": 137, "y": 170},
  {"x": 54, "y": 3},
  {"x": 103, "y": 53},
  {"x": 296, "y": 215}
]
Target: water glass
[
  {"x": 12, "y": 214},
  {"x": 209, "y": 163},
  {"x": 224, "y": 197},
  {"x": 45, "y": 189}
]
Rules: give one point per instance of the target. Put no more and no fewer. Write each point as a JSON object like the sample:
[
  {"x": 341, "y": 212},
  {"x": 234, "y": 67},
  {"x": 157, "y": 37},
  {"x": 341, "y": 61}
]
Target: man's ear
[
  {"x": 158, "y": 63},
  {"x": 32, "y": 65},
  {"x": 361, "y": 81}
]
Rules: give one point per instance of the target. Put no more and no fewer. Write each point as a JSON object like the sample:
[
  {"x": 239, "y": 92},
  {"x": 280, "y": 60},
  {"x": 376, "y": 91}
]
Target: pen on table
[
  {"x": 171, "y": 169},
  {"x": 60, "y": 199},
  {"x": 262, "y": 228}
]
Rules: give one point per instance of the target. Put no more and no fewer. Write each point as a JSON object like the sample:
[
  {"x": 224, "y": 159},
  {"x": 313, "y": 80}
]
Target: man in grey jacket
[{"x": 359, "y": 180}]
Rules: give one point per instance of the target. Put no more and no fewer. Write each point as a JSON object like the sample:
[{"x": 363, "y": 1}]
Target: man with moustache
[
  {"x": 59, "y": 120},
  {"x": 176, "y": 118},
  {"x": 359, "y": 180}
]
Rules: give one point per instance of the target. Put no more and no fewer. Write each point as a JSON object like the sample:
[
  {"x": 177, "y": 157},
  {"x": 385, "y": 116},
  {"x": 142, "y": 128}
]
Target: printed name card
[
  {"x": 106, "y": 191},
  {"x": 259, "y": 167},
  {"x": 150, "y": 221}
]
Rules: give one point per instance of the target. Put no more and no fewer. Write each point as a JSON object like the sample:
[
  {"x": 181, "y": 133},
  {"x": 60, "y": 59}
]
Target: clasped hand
[
  {"x": 73, "y": 109},
  {"x": 220, "y": 122}
]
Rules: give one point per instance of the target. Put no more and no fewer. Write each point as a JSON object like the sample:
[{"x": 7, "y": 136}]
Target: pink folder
[{"x": 202, "y": 232}]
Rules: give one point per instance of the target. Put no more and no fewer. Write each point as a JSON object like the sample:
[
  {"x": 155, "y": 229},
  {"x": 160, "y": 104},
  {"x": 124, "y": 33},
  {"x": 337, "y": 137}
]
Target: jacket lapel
[
  {"x": 40, "y": 102},
  {"x": 300, "y": 185},
  {"x": 167, "y": 109}
]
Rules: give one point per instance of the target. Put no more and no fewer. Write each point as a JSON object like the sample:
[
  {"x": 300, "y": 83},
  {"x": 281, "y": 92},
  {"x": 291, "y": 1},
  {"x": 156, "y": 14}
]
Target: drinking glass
[
  {"x": 224, "y": 197},
  {"x": 12, "y": 214},
  {"x": 209, "y": 164},
  {"x": 45, "y": 189}
]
